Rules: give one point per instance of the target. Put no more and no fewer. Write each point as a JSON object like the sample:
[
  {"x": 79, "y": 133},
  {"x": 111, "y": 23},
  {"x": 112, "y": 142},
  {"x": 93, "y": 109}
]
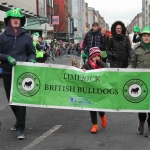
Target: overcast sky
[{"x": 113, "y": 10}]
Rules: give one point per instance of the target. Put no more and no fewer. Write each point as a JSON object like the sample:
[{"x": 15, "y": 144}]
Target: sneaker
[
  {"x": 140, "y": 129},
  {"x": 13, "y": 128},
  {"x": 20, "y": 134},
  {"x": 94, "y": 128},
  {"x": 103, "y": 121},
  {"x": 147, "y": 133}
]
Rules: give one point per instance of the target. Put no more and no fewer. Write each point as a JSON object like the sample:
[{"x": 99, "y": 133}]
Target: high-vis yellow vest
[{"x": 39, "y": 54}]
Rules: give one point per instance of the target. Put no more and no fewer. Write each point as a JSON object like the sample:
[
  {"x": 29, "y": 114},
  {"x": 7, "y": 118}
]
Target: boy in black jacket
[{"x": 95, "y": 62}]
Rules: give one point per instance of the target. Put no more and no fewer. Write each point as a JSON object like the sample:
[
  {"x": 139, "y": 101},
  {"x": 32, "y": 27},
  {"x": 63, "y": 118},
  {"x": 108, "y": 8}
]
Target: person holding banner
[
  {"x": 15, "y": 45},
  {"x": 95, "y": 62},
  {"x": 141, "y": 59}
]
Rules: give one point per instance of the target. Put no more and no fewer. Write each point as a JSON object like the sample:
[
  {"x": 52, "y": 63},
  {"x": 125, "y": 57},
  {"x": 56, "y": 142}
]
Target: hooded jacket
[
  {"x": 20, "y": 48},
  {"x": 119, "y": 49}
]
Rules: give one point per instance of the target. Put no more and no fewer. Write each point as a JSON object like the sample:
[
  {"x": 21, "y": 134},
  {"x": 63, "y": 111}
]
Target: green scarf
[{"x": 146, "y": 46}]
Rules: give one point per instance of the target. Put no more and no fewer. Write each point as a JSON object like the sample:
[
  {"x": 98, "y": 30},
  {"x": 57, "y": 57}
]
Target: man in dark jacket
[
  {"x": 119, "y": 50},
  {"x": 93, "y": 39},
  {"x": 15, "y": 45}
]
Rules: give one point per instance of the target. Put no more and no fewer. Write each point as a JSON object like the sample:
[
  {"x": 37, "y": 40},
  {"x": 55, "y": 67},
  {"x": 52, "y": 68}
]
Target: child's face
[
  {"x": 96, "y": 58},
  {"x": 146, "y": 38}
]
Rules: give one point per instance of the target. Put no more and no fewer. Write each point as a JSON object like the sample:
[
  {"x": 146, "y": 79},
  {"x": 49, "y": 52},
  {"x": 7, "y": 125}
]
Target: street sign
[
  {"x": 71, "y": 26},
  {"x": 55, "y": 20}
]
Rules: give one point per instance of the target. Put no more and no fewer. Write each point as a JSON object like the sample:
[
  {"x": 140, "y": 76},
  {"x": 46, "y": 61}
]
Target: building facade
[
  {"x": 94, "y": 16},
  {"x": 86, "y": 18},
  {"x": 61, "y": 10},
  {"x": 77, "y": 13},
  {"x": 33, "y": 10},
  {"x": 137, "y": 21},
  {"x": 146, "y": 13}
]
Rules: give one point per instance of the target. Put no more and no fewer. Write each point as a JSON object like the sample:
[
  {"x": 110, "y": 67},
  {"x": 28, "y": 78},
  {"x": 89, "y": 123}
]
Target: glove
[
  {"x": 33, "y": 61},
  {"x": 101, "y": 64},
  {"x": 98, "y": 63},
  {"x": 11, "y": 61}
]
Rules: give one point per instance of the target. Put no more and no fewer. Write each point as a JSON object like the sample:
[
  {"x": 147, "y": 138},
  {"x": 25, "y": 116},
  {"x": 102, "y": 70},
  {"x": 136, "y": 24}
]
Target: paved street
[{"x": 57, "y": 129}]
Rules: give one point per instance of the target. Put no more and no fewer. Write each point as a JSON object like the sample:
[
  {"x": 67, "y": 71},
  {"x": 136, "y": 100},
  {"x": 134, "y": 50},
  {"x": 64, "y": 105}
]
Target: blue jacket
[{"x": 21, "y": 48}]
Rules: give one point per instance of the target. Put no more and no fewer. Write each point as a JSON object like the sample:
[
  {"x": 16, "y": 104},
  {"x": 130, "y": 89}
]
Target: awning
[{"x": 42, "y": 27}]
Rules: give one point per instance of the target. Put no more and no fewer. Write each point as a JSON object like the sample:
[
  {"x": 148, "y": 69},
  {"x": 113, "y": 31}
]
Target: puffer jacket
[
  {"x": 21, "y": 48},
  {"x": 119, "y": 52},
  {"x": 140, "y": 58},
  {"x": 89, "y": 39}
]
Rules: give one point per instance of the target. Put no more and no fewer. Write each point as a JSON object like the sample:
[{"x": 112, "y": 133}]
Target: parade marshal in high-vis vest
[{"x": 38, "y": 48}]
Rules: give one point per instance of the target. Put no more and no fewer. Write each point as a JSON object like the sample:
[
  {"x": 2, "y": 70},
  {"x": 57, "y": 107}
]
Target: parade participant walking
[
  {"x": 15, "y": 45},
  {"x": 95, "y": 62},
  {"x": 119, "y": 50},
  {"x": 43, "y": 44},
  {"x": 141, "y": 59},
  {"x": 93, "y": 39},
  {"x": 136, "y": 38},
  {"x": 38, "y": 48},
  {"x": 127, "y": 34},
  {"x": 105, "y": 43}
]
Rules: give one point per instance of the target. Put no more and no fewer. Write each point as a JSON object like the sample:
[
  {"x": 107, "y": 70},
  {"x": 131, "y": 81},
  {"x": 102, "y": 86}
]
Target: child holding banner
[
  {"x": 141, "y": 59},
  {"x": 95, "y": 62}
]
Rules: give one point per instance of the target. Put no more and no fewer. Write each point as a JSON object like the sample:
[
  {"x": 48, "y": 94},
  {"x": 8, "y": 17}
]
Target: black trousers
[
  {"x": 143, "y": 116},
  {"x": 19, "y": 111},
  {"x": 39, "y": 60},
  {"x": 93, "y": 115}
]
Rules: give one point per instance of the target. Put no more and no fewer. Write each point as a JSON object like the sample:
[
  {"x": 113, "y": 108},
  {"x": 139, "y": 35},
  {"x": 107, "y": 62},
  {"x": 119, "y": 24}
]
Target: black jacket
[
  {"x": 93, "y": 39},
  {"x": 21, "y": 48},
  {"x": 87, "y": 66},
  {"x": 119, "y": 50}
]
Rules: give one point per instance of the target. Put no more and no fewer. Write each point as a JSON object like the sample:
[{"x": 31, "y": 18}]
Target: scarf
[
  {"x": 10, "y": 28},
  {"x": 94, "y": 65},
  {"x": 146, "y": 46},
  {"x": 119, "y": 37}
]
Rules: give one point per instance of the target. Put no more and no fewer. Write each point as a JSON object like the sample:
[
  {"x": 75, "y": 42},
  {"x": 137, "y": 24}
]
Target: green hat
[
  {"x": 145, "y": 30},
  {"x": 16, "y": 13},
  {"x": 36, "y": 34},
  {"x": 136, "y": 29},
  {"x": 84, "y": 56}
]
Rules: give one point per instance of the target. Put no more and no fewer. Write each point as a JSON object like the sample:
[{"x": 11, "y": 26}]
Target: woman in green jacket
[{"x": 141, "y": 59}]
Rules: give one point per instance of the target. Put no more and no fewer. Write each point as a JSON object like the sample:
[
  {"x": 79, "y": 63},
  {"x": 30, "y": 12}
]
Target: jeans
[{"x": 19, "y": 111}]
